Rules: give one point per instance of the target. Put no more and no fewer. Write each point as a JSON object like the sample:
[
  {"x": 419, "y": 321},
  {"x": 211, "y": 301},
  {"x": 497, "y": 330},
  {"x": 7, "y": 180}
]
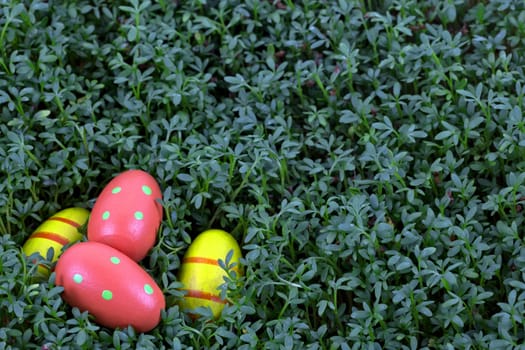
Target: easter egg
[
  {"x": 201, "y": 274},
  {"x": 127, "y": 214},
  {"x": 57, "y": 231},
  {"x": 110, "y": 286}
]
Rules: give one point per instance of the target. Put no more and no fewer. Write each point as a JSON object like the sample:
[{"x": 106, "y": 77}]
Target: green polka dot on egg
[
  {"x": 115, "y": 260},
  {"x": 105, "y": 215},
  {"x": 148, "y": 289},
  {"x": 107, "y": 294},
  {"x": 116, "y": 190},
  {"x": 77, "y": 278},
  {"x": 147, "y": 190},
  {"x": 139, "y": 215}
]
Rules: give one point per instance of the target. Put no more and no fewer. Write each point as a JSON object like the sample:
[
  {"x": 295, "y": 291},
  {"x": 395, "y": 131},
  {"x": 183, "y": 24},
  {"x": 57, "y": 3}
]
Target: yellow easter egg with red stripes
[
  {"x": 201, "y": 274},
  {"x": 57, "y": 231}
]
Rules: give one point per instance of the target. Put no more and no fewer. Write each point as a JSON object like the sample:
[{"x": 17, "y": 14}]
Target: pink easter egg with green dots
[
  {"x": 110, "y": 286},
  {"x": 127, "y": 214}
]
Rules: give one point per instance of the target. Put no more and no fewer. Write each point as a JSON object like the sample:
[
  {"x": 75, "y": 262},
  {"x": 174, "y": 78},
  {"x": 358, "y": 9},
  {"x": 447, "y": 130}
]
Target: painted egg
[
  {"x": 110, "y": 286},
  {"x": 127, "y": 214},
  {"x": 57, "y": 231},
  {"x": 201, "y": 273}
]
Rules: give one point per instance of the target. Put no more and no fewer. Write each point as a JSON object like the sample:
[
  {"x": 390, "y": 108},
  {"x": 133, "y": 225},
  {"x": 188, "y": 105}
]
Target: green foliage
[{"x": 367, "y": 156}]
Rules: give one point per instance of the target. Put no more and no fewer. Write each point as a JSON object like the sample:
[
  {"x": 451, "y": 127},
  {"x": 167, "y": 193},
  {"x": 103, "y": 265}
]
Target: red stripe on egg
[
  {"x": 199, "y": 294},
  {"x": 200, "y": 260},
  {"x": 64, "y": 220},
  {"x": 51, "y": 236}
]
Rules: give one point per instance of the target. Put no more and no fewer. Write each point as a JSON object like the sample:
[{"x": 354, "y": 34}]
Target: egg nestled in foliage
[
  {"x": 201, "y": 273},
  {"x": 110, "y": 286},
  {"x": 127, "y": 214},
  {"x": 57, "y": 231}
]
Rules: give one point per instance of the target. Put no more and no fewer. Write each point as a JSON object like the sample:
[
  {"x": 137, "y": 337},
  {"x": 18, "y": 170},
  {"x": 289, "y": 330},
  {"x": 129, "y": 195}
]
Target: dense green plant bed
[{"x": 368, "y": 156}]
